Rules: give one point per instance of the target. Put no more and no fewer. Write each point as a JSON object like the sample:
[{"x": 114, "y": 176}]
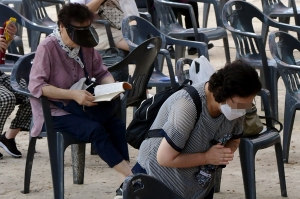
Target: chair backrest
[
  {"x": 35, "y": 11},
  {"x": 146, "y": 187},
  {"x": 143, "y": 56},
  {"x": 20, "y": 74},
  {"x": 268, "y": 6},
  {"x": 7, "y": 12},
  {"x": 179, "y": 69},
  {"x": 282, "y": 47}
]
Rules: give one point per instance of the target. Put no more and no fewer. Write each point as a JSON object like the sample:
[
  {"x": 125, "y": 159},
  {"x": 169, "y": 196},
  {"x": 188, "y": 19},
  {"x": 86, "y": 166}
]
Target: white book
[{"x": 106, "y": 92}]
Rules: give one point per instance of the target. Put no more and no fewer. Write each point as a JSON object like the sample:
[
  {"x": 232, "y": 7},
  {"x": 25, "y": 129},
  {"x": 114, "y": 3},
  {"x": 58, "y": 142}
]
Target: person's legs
[
  {"x": 87, "y": 130},
  {"x": 7, "y": 105},
  {"x": 22, "y": 119}
]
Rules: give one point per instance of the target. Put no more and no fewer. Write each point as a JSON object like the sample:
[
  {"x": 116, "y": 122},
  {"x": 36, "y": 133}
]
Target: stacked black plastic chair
[
  {"x": 282, "y": 47},
  {"x": 237, "y": 17}
]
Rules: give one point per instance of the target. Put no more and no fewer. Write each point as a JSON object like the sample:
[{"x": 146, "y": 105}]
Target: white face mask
[{"x": 230, "y": 113}]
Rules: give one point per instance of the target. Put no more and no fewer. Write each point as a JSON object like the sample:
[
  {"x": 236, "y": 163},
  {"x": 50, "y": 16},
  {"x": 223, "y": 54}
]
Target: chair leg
[
  {"x": 29, "y": 162},
  {"x": 247, "y": 158},
  {"x": 218, "y": 180},
  {"x": 56, "y": 153},
  {"x": 280, "y": 166},
  {"x": 226, "y": 49},
  {"x": 264, "y": 33},
  {"x": 289, "y": 116},
  {"x": 78, "y": 162},
  {"x": 206, "y": 8}
]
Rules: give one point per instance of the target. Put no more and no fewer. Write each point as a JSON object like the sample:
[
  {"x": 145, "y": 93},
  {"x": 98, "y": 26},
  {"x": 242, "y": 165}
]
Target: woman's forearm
[
  {"x": 233, "y": 144},
  {"x": 57, "y": 93},
  {"x": 184, "y": 160},
  {"x": 94, "y": 5}
]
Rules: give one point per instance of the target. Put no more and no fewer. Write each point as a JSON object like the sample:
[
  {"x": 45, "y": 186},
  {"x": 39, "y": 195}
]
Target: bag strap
[
  {"x": 272, "y": 127},
  {"x": 87, "y": 81},
  {"x": 196, "y": 99}
]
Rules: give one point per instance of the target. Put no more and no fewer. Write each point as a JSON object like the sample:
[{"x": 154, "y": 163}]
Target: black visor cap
[{"x": 83, "y": 36}]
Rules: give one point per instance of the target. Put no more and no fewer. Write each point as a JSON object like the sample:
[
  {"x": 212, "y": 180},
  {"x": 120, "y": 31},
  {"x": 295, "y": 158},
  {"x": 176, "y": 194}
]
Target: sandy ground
[{"x": 101, "y": 182}]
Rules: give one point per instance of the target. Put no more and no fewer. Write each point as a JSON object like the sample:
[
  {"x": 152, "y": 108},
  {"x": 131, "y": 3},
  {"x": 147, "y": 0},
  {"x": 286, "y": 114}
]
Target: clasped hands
[{"x": 219, "y": 155}]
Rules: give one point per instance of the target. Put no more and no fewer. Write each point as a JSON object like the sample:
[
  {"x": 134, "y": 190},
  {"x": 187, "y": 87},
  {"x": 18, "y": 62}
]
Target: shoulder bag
[{"x": 111, "y": 10}]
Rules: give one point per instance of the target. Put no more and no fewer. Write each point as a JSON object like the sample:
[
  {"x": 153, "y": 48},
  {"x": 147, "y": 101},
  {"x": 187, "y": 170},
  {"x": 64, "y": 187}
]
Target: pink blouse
[{"x": 52, "y": 66}]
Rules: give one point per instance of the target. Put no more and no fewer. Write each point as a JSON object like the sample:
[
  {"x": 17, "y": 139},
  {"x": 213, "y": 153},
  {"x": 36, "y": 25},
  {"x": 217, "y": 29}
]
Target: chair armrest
[
  {"x": 179, "y": 68},
  {"x": 146, "y": 16},
  {"x": 166, "y": 54},
  {"x": 12, "y": 57},
  {"x": 55, "y": 1},
  {"x": 108, "y": 31},
  {"x": 14, "y": 84},
  {"x": 201, "y": 46}
]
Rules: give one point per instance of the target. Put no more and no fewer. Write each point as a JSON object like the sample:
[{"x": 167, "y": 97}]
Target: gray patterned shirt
[{"x": 177, "y": 118}]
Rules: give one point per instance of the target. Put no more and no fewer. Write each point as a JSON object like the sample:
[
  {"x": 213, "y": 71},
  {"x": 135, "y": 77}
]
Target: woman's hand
[
  {"x": 11, "y": 30},
  {"x": 3, "y": 45},
  {"x": 218, "y": 155},
  {"x": 83, "y": 97}
]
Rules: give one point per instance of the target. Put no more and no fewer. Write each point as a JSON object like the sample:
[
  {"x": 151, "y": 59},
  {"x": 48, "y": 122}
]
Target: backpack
[{"x": 144, "y": 116}]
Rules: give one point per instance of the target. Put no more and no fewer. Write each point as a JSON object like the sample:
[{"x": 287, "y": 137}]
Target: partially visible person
[
  {"x": 61, "y": 60},
  {"x": 186, "y": 158},
  {"x": 8, "y": 100},
  {"x": 120, "y": 42}
]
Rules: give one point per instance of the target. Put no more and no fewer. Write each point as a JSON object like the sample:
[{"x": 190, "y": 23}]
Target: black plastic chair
[
  {"x": 249, "y": 145},
  {"x": 282, "y": 47},
  {"x": 7, "y": 12},
  {"x": 35, "y": 12},
  {"x": 57, "y": 141},
  {"x": 136, "y": 34},
  {"x": 276, "y": 9},
  {"x": 237, "y": 17},
  {"x": 143, "y": 57},
  {"x": 143, "y": 186},
  {"x": 171, "y": 27}
]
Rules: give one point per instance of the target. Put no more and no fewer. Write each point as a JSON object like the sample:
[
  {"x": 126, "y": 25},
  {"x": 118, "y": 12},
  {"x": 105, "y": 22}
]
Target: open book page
[{"x": 107, "y": 92}]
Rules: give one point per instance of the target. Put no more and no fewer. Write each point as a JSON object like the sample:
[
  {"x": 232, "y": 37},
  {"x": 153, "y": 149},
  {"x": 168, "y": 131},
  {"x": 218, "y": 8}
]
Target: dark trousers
[
  {"x": 98, "y": 125},
  {"x": 137, "y": 168}
]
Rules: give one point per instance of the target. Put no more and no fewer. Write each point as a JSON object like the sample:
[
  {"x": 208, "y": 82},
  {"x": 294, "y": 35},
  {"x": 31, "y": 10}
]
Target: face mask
[{"x": 230, "y": 113}]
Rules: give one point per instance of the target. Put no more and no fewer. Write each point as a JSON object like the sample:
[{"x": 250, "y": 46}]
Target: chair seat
[
  {"x": 264, "y": 140},
  {"x": 158, "y": 79},
  {"x": 211, "y": 33}
]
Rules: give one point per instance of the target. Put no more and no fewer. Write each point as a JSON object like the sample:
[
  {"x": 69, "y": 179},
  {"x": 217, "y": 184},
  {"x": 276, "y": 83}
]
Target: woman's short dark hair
[
  {"x": 235, "y": 79},
  {"x": 74, "y": 12}
]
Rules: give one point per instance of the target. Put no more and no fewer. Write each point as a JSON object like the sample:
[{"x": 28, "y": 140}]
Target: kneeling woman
[
  {"x": 61, "y": 60},
  {"x": 186, "y": 158}
]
